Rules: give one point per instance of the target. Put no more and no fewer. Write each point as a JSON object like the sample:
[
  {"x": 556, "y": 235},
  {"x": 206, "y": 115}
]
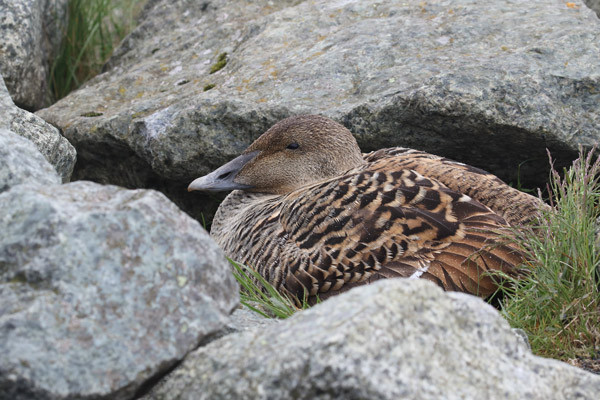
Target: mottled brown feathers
[
  {"x": 392, "y": 213},
  {"x": 514, "y": 206}
]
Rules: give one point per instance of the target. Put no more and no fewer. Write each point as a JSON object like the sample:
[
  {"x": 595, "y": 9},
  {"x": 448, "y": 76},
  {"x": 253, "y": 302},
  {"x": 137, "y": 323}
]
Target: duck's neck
[{"x": 227, "y": 218}]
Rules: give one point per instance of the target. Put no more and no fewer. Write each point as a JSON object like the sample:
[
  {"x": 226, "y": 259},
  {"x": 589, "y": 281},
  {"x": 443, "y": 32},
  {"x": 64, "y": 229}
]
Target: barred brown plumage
[{"x": 313, "y": 215}]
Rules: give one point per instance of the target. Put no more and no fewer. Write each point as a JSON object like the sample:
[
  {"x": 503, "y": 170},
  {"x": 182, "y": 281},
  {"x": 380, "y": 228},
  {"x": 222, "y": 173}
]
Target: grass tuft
[
  {"x": 556, "y": 301},
  {"x": 93, "y": 29},
  {"x": 260, "y": 296}
]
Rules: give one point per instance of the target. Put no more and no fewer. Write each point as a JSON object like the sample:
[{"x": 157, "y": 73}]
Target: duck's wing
[
  {"x": 384, "y": 222},
  {"x": 514, "y": 206}
]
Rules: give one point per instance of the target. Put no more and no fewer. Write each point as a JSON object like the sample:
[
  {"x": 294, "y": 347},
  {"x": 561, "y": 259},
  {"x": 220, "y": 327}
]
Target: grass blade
[{"x": 557, "y": 301}]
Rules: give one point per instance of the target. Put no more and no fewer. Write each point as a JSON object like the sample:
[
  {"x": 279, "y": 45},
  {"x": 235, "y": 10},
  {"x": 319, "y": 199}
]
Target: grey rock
[
  {"x": 21, "y": 162},
  {"x": 101, "y": 289},
  {"x": 55, "y": 148},
  {"x": 594, "y": 5},
  {"x": 244, "y": 319},
  {"x": 522, "y": 338},
  {"x": 492, "y": 84},
  {"x": 241, "y": 320},
  {"x": 31, "y": 36},
  {"x": 395, "y": 339}
]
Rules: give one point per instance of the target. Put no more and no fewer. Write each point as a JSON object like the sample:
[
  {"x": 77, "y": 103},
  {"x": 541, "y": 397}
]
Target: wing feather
[
  {"x": 514, "y": 206},
  {"x": 380, "y": 222}
]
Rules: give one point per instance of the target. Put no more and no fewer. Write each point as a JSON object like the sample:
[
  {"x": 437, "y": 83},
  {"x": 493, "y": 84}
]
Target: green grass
[
  {"x": 557, "y": 300},
  {"x": 93, "y": 29},
  {"x": 261, "y": 297},
  {"x": 519, "y": 185}
]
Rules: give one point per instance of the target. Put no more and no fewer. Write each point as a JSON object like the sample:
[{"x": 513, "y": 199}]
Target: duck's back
[
  {"x": 516, "y": 207},
  {"x": 376, "y": 221}
]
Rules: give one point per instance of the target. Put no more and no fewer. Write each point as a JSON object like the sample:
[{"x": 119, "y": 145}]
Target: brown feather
[{"x": 514, "y": 206}]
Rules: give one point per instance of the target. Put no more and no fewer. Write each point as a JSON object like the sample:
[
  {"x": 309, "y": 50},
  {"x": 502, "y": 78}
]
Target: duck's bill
[{"x": 223, "y": 178}]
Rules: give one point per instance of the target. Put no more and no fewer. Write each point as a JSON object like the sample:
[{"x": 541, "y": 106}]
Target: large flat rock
[
  {"x": 102, "y": 289},
  {"x": 395, "y": 339},
  {"x": 492, "y": 84}
]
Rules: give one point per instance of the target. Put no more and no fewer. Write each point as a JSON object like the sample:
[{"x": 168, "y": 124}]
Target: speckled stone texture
[
  {"x": 54, "y": 147},
  {"x": 395, "y": 339},
  {"x": 241, "y": 320},
  {"x": 101, "y": 289},
  {"x": 492, "y": 84},
  {"x": 21, "y": 162},
  {"x": 30, "y": 32}
]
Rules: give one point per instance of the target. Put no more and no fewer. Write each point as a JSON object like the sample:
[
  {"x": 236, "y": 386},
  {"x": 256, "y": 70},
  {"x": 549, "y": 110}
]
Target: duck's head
[{"x": 293, "y": 153}]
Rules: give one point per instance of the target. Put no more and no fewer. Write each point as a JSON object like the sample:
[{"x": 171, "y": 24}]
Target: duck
[{"x": 314, "y": 216}]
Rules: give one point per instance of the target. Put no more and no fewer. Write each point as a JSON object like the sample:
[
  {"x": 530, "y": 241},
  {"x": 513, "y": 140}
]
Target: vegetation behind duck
[{"x": 315, "y": 216}]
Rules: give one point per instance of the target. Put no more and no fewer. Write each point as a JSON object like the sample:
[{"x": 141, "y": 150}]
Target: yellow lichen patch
[
  {"x": 335, "y": 13},
  {"x": 314, "y": 55},
  {"x": 262, "y": 100},
  {"x": 92, "y": 114},
  {"x": 321, "y": 38},
  {"x": 573, "y": 6},
  {"x": 220, "y": 64},
  {"x": 122, "y": 90},
  {"x": 267, "y": 63},
  {"x": 181, "y": 280},
  {"x": 137, "y": 114}
]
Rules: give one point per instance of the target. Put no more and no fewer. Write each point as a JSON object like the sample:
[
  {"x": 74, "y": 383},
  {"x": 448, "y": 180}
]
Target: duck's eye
[{"x": 293, "y": 146}]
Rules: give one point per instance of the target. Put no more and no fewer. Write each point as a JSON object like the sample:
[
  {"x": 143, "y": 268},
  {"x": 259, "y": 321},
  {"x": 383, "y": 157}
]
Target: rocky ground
[
  {"x": 505, "y": 78},
  {"x": 107, "y": 280}
]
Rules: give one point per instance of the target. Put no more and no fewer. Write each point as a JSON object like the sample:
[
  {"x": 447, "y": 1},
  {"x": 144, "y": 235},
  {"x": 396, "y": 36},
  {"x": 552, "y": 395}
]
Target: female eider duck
[{"x": 313, "y": 215}]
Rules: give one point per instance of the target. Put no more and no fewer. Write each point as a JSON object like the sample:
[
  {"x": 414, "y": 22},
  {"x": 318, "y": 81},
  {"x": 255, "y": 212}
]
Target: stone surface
[
  {"x": 395, "y": 339},
  {"x": 21, "y": 162},
  {"x": 57, "y": 150},
  {"x": 594, "y": 5},
  {"x": 101, "y": 289},
  {"x": 244, "y": 319},
  {"x": 30, "y": 31},
  {"x": 488, "y": 83}
]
